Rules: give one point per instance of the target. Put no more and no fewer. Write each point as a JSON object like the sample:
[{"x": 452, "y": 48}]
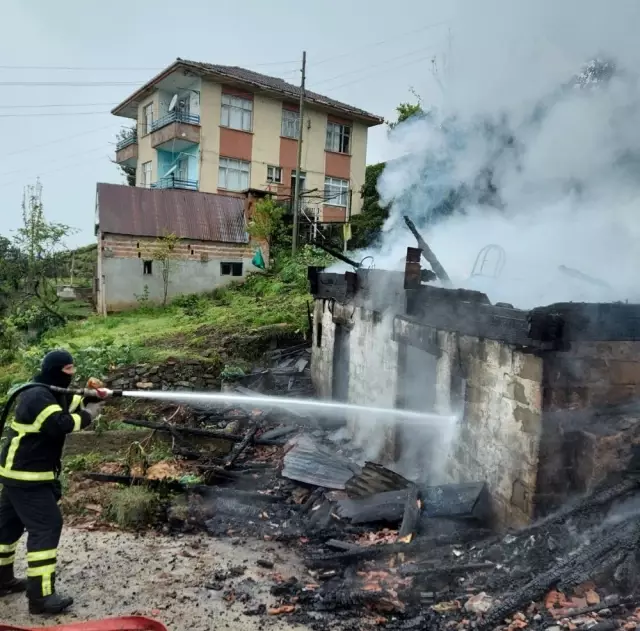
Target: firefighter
[{"x": 30, "y": 465}]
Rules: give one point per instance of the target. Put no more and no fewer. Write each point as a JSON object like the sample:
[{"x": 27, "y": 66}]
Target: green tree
[
  {"x": 267, "y": 222},
  {"x": 164, "y": 251},
  {"x": 367, "y": 225},
  {"x": 41, "y": 242},
  {"x": 129, "y": 172}
]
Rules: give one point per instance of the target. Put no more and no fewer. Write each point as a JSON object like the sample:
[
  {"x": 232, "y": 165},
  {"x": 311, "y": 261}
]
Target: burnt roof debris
[
  {"x": 306, "y": 461},
  {"x": 374, "y": 478}
]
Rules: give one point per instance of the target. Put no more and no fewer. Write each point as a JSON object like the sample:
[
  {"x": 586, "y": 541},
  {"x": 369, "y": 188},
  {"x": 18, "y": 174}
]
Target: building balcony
[
  {"x": 127, "y": 150},
  {"x": 174, "y": 182},
  {"x": 176, "y": 131}
]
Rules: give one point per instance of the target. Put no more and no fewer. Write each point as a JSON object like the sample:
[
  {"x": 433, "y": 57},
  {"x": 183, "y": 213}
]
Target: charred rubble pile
[
  {"x": 384, "y": 550},
  {"x": 380, "y": 548}
]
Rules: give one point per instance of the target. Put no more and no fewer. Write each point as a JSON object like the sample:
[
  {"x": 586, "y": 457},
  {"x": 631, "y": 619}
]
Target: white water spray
[{"x": 327, "y": 408}]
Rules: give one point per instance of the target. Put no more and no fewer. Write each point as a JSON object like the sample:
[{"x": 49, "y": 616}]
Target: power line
[
  {"x": 74, "y": 165},
  {"x": 371, "y": 76},
  {"x": 90, "y": 84},
  {"x": 383, "y": 63},
  {"x": 40, "y": 114},
  {"x": 31, "y": 105},
  {"x": 381, "y": 42},
  {"x": 53, "y": 142},
  {"x": 93, "y": 69}
]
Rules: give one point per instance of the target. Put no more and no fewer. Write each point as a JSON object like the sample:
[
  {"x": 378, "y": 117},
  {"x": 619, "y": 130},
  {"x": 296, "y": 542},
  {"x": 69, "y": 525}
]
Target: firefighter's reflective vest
[{"x": 31, "y": 448}]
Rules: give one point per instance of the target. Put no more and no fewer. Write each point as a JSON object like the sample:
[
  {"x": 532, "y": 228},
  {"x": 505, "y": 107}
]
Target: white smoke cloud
[{"x": 568, "y": 188}]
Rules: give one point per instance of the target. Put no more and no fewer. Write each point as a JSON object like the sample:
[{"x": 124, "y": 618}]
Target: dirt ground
[{"x": 168, "y": 578}]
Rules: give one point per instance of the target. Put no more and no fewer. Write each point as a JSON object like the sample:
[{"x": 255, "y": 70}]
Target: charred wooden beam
[
  {"x": 188, "y": 431},
  {"x": 411, "y": 517},
  {"x": 380, "y": 551},
  {"x": 240, "y": 447},
  {"x": 428, "y": 254},
  {"x": 172, "y": 485}
]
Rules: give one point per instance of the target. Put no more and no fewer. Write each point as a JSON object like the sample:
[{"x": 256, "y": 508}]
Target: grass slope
[{"x": 201, "y": 327}]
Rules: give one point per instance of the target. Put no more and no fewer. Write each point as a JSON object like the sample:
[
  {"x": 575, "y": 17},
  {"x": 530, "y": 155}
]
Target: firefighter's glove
[{"x": 94, "y": 410}]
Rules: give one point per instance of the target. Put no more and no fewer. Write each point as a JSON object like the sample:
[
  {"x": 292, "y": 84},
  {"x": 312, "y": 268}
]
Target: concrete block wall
[
  {"x": 583, "y": 443},
  {"x": 496, "y": 389},
  {"x": 373, "y": 376},
  {"x": 322, "y": 350},
  {"x": 498, "y": 436},
  {"x": 592, "y": 374}
]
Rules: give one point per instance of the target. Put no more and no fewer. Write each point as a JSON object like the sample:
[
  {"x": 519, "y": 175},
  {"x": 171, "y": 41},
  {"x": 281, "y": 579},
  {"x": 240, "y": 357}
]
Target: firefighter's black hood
[{"x": 51, "y": 369}]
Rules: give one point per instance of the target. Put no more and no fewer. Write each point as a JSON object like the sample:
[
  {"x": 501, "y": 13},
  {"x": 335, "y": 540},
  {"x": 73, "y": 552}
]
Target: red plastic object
[{"x": 126, "y": 623}]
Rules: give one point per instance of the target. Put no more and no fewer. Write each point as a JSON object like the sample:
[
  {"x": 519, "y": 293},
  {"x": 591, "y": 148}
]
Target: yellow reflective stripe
[
  {"x": 43, "y": 570},
  {"x": 42, "y": 555},
  {"x": 22, "y": 430},
  {"x": 27, "y": 476},
  {"x": 77, "y": 422},
  {"x": 11, "y": 547},
  {"x": 7, "y": 560},
  {"x": 76, "y": 402},
  {"x": 36, "y": 426}
]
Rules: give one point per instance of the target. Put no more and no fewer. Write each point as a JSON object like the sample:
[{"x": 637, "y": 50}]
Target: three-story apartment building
[{"x": 223, "y": 129}]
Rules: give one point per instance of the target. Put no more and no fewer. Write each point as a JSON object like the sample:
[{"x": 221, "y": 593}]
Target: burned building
[{"x": 543, "y": 399}]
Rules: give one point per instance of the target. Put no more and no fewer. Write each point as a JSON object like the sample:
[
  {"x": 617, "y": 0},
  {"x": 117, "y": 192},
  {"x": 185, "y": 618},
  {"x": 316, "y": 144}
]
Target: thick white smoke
[{"x": 566, "y": 187}]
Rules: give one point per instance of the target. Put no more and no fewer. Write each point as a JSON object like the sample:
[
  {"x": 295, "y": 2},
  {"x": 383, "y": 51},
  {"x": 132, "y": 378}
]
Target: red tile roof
[{"x": 144, "y": 212}]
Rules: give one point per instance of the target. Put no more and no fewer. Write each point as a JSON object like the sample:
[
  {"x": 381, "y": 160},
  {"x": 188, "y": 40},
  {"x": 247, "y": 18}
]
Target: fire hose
[{"x": 94, "y": 395}]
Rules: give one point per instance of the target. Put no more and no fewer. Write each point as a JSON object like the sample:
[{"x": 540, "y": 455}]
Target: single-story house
[{"x": 214, "y": 247}]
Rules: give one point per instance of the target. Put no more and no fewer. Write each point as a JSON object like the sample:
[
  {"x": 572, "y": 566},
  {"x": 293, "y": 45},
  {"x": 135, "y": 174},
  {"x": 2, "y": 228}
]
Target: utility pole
[{"x": 296, "y": 194}]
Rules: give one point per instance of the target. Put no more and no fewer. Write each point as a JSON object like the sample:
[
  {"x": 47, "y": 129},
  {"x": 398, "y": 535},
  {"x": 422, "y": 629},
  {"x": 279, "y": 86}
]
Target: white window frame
[
  {"x": 147, "y": 114},
  {"x": 234, "y": 168},
  {"x": 290, "y": 125},
  {"x": 233, "y": 107},
  {"x": 147, "y": 171},
  {"x": 336, "y": 192},
  {"x": 274, "y": 174},
  {"x": 337, "y": 136}
]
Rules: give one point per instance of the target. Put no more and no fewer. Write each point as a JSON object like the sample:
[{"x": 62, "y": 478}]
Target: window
[
  {"x": 147, "y": 268},
  {"x": 274, "y": 174},
  {"x": 147, "y": 116},
  {"x": 338, "y": 138},
  {"x": 233, "y": 174},
  {"x": 145, "y": 180},
  {"x": 290, "y": 124},
  {"x": 231, "y": 269},
  {"x": 336, "y": 191},
  {"x": 236, "y": 112}
]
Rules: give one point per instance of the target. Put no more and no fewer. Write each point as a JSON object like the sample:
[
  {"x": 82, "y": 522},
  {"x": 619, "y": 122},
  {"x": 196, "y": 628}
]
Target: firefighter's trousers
[{"x": 33, "y": 508}]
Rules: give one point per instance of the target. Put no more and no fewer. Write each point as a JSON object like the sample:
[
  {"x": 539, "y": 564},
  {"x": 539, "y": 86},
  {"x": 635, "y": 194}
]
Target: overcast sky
[{"x": 367, "y": 53}]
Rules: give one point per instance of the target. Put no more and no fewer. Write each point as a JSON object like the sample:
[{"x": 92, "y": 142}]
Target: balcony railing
[
  {"x": 130, "y": 139},
  {"x": 175, "y": 117},
  {"x": 171, "y": 182}
]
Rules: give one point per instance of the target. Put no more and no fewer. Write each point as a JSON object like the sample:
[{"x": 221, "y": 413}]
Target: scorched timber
[
  {"x": 377, "y": 551},
  {"x": 412, "y": 512}
]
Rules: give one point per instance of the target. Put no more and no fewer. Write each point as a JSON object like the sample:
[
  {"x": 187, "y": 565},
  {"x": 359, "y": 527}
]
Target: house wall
[
  {"x": 492, "y": 389},
  {"x": 194, "y": 269},
  {"x": 146, "y": 153},
  {"x": 262, "y": 147}
]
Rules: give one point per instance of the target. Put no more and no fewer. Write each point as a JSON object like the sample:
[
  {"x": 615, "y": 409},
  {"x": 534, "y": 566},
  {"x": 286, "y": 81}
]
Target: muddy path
[{"x": 183, "y": 581}]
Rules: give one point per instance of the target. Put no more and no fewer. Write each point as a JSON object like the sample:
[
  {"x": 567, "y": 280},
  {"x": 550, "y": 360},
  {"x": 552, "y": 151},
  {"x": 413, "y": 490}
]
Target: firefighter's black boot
[
  {"x": 51, "y": 604},
  {"x": 9, "y": 584}
]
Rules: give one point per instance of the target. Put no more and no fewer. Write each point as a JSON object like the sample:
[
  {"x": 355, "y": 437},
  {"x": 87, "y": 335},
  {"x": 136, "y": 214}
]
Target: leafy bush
[
  {"x": 90, "y": 361},
  {"x": 231, "y": 373},
  {"x": 133, "y": 507},
  {"x": 193, "y": 305}
]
